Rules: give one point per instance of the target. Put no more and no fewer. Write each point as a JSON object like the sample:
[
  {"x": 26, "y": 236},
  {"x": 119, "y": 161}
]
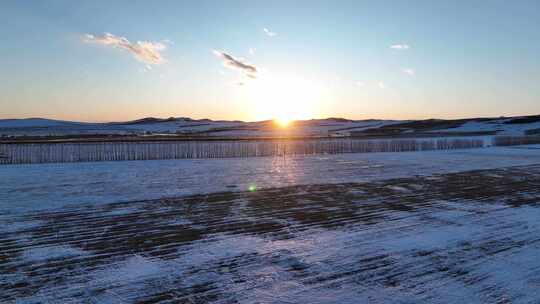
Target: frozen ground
[
  {"x": 52, "y": 185},
  {"x": 350, "y": 228}
]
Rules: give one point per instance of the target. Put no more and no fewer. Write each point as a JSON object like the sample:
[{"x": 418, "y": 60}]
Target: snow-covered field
[
  {"x": 421, "y": 227},
  {"x": 54, "y": 185}
]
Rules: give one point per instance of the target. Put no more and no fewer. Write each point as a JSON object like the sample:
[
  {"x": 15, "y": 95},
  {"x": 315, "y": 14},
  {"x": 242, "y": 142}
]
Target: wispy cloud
[
  {"x": 232, "y": 62},
  {"x": 382, "y": 85},
  {"x": 252, "y": 51},
  {"x": 145, "y": 51},
  {"x": 400, "y": 46},
  {"x": 360, "y": 83},
  {"x": 269, "y": 32},
  {"x": 409, "y": 72}
]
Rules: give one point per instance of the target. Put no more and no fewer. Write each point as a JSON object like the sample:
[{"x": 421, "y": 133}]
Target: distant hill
[
  {"x": 315, "y": 127},
  {"x": 34, "y": 122}
]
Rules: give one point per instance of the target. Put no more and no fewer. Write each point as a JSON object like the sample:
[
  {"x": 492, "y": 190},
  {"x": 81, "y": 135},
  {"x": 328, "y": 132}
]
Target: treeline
[
  {"x": 515, "y": 140},
  {"x": 117, "y": 151}
]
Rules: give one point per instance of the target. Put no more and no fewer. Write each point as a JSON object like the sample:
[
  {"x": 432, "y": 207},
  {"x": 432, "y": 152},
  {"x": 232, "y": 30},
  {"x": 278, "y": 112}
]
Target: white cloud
[
  {"x": 409, "y": 72},
  {"x": 400, "y": 46},
  {"x": 382, "y": 85},
  {"x": 145, "y": 51},
  {"x": 252, "y": 51},
  {"x": 231, "y": 62},
  {"x": 360, "y": 83},
  {"x": 269, "y": 32}
]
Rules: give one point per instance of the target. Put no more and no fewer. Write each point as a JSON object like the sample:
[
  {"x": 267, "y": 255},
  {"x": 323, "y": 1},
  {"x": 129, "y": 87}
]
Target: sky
[{"x": 253, "y": 60}]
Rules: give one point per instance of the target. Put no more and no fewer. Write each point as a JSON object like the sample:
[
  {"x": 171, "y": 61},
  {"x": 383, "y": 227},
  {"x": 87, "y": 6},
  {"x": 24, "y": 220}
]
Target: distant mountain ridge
[{"x": 332, "y": 126}]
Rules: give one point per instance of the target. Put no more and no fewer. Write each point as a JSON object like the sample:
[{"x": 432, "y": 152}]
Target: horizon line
[{"x": 264, "y": 120}]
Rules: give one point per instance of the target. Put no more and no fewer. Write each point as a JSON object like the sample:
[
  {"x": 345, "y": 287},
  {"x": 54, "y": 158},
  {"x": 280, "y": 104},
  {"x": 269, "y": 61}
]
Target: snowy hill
[
  {"x": 318, "y": 127},
  {"x": 502, "y": 126},
  {"x": 315, "y": 127}
]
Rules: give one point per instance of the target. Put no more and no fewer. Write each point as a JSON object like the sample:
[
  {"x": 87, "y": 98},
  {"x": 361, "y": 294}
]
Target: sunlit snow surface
[
  {"x": 53, "y": 185},
  {"x": 350, "y": 228}
]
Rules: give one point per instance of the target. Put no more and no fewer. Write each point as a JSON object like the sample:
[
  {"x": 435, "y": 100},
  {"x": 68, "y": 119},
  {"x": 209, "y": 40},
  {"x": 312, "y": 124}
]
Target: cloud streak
[
  {"x": 232, "y": 62},
  {"x": 400, "y": 46},
  {"x": 269, "y": 33},
  {"x": 409, "y": 72},
  {"x": 147, "y": 52}
]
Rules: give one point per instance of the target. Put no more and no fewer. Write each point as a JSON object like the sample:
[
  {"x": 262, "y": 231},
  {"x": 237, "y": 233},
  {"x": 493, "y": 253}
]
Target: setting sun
[
  {"x": 283, "y": 121},
  {"x": 283, "y": 99}
]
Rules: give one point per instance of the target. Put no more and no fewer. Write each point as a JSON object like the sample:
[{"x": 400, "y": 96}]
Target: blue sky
[{"x": 354, "y": 59}]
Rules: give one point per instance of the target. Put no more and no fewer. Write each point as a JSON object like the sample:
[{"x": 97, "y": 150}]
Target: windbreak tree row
[{"x": 117, "y": 151}]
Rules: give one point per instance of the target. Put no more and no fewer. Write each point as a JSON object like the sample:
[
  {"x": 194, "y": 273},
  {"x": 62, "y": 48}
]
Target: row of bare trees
[
  {"x": 515, "y": 140},
  {"x": 116, "y": 151}
]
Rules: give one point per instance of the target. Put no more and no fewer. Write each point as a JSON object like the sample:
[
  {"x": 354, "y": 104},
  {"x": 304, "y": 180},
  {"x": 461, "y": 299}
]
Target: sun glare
[
  {"x": 283, "y": 99},
  {"x": 282, "y": 121}
]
